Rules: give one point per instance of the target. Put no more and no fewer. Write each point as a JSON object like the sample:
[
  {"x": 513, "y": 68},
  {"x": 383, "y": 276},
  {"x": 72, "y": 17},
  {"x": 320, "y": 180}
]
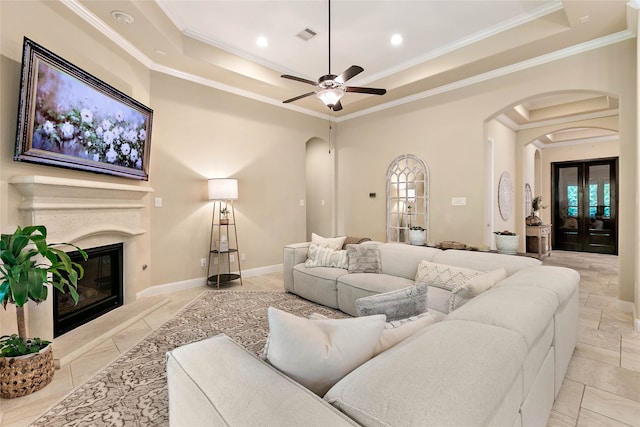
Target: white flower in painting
[
  {"x": 139, "y": 164},
  {"x": 119, "y": 116},
  {"x": 130, "y": 135},
  {"x": 99, "y": 131},
  {"x": 111, "y": 155},
  {"x": 134, "y": 155},
  {"x": 67, "y": 130},
  {"x": 108, "y": 137},
  {"x": 142, "y": 134},
  {"x": 118, "y": 130},
  {"x": 106, "y": 124},
  {"x": 48, "y": 127},
  {"x": 87, "y": 134},
  {"x": 86, "y": 115},
  {"x": 125, "y": 148},
  {"x": 96, "y": 157}
]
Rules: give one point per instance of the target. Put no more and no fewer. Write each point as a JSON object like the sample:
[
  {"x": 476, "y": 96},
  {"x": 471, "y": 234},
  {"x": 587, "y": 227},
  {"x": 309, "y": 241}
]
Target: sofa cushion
[
  {"x": 438, "y": 299},
  {"x": 324, "y": 256},
  {"x": 436, "y": 368},
  {"x": 395, "y": 305},
  {"x": 318, "y": 353},
  {"x": 401, "y": 260},
  {"x": 317, "y": 284},
  {"x": 350, "y": 287},
  {"x": 364, "y": 258},
  {"x": 485, "y": 261},
  {"x": 397, "y": 330},
  {"x": 524, "y": 310},
  {"x": 332, "y": 242},
  {"x": 474, "y": 287},
  {"x": 444, "y": 276}
]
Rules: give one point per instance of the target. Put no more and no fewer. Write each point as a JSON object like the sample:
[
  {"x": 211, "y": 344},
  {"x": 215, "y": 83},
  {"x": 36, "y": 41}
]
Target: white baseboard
[{"x": 168, "y": 288}]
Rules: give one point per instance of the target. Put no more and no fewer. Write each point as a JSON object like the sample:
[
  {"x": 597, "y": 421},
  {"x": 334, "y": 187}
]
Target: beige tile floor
[{"x": 601, "y": 388}]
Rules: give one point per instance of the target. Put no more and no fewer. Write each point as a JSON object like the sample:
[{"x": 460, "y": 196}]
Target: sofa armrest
[
  {"x": 217, "y": 382},
  {"x": 293, "y": 254}
]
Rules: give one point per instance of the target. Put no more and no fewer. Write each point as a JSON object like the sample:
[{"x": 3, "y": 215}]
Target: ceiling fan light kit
[{"x": 331, "y": 87}]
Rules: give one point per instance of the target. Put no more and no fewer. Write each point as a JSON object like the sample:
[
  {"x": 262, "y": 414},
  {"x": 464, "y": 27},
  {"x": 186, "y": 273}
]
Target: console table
[{"x": 539, "y": 239}]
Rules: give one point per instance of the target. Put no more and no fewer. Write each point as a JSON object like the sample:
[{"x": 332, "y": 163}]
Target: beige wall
[
  {"x": 448, "y": 132},
  {"x": 202, "y": 133},
  {"x": 70, "y": 38}
]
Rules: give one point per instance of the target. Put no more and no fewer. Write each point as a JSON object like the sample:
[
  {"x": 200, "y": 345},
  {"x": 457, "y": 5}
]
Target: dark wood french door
[{"x": 585, "y": 206}]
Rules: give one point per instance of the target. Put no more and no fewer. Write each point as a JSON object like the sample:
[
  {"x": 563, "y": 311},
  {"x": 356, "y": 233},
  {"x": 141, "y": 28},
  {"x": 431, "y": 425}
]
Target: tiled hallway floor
[
  {"x": 602, "y": 384},
  {"x": 601, "y": 388}
]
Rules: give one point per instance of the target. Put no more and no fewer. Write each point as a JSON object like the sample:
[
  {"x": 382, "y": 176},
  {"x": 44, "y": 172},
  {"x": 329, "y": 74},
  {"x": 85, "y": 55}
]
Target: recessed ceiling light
[
  {"x": 585, "y": 19},
  {"x": 160, "y": 52},
  {"x": 396, "y": 39},
  {"x": 262, "y": 41},
  {"x": 121, "y": 16}
]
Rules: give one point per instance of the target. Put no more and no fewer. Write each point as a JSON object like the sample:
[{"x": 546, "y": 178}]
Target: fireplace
[{"x": 100, "y": 290}]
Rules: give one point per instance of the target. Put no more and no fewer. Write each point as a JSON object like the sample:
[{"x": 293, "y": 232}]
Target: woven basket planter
[{"x": 22, "y": 375}]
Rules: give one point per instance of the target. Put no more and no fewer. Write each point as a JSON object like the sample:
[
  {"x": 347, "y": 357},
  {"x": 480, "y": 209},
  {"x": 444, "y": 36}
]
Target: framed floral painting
[{"x": 71, "y": 119}]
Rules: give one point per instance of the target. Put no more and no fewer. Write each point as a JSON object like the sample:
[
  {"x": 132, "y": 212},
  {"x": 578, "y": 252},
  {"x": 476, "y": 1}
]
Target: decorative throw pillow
[
  {"x": 318, "y": 353},
  {"x": 395, "y": 305},
  {"x": 396, "y": 331},
  {"x": 364, "y": 258},
  {"x": 474, "y": 287},
  {"x": 331, "y": 242},
  {"x": 322, "y": 256},
  {"x": 444, "y": 276}
]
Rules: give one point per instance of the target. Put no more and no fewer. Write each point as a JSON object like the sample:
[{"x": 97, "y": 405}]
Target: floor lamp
[{"x": 223, "y": 192}]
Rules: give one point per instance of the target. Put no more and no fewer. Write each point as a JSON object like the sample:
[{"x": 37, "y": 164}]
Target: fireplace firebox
[{"x": 100, "y": 290}]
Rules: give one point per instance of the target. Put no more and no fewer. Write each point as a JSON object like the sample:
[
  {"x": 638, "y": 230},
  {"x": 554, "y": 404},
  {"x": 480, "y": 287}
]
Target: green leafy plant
[
  {"x": 416, "y": 227},
  {"x": 28, "y": 265},
  {"x": 13, "y": 345},
  {"x": 536, "y": 204},
  {"x": 504, "y": 233}
]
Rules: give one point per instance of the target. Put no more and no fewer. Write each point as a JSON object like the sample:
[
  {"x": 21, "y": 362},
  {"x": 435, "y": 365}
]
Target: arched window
[{"x": 407, "y": 197}]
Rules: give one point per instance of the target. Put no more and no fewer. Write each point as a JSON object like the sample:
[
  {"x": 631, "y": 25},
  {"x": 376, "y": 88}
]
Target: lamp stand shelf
[{"x": 223, "y": 246}]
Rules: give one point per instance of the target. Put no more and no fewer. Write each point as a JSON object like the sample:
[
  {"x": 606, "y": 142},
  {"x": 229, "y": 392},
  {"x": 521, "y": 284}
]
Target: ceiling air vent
[{"x": 307, "y": 34}]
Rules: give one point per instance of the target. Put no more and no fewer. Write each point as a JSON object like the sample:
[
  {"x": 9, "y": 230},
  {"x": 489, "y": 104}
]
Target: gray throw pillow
[
  {"x": 395, "y": 305},
  {"x": 364, "y": 258}
]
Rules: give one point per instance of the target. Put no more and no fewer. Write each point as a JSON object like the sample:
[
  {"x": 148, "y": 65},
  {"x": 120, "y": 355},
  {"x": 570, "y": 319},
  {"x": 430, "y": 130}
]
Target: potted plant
[
  {"x": 224, "y": 216},
  {"x": 28, "y": 265},
  {"x": 507, "y": 242},
  {"x": 417, "y": 235},
  {"x": 534, "y": 218}
]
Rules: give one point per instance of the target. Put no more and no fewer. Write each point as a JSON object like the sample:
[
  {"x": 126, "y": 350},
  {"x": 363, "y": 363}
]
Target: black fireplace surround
[{"x": 100, "y": 290}]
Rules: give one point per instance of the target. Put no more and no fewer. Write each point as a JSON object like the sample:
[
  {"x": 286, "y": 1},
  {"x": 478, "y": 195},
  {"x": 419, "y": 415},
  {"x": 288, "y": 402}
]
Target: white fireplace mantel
[
  {"x": 45, "y": 192},
  {"x": 87, "y": 214}
]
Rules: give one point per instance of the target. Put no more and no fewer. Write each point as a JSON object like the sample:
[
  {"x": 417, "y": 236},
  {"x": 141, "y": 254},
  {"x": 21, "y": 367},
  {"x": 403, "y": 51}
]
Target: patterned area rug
[{"x": 132, "y": 391}]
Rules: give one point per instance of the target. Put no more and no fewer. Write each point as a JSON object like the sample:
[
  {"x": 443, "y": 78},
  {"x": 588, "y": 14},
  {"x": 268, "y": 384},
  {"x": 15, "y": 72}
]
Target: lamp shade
[{"x": 223, "y": 189}]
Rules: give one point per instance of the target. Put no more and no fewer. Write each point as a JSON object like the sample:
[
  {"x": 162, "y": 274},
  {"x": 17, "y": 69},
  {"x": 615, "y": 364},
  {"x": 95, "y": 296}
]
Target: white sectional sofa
[{"x": 499, "y": 360}]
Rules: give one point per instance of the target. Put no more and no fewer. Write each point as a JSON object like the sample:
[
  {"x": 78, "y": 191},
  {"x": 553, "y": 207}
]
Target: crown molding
[{"x": 76, "y": 7}]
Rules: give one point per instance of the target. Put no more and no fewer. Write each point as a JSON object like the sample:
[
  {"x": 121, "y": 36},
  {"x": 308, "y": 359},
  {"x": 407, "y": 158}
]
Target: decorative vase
[
  {"x": 23, "y": 375},
  {"x": 417, "y": 237},
  {"x": 506, "y": 244},
  {"x": 533, "y": 219}
]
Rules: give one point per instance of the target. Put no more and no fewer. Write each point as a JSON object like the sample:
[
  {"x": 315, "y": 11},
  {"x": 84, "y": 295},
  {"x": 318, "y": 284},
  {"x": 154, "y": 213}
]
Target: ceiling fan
[{"x": 331, "y": 87}]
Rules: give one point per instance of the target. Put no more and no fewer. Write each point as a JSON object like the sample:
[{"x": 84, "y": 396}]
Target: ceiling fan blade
[
  {"x": 337, "y": 106},
  {"x": 298, "y": 97},
  {"x": 369, "y": 90},
  {"x": 299, "y": 79},
  {"x": 349, "y": 73}
]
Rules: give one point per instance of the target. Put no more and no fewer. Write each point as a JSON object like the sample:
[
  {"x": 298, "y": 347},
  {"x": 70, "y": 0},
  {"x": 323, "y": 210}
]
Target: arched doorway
[
  {"x": 551, "y": 128},
  {"x": 319, "y": 172}
]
